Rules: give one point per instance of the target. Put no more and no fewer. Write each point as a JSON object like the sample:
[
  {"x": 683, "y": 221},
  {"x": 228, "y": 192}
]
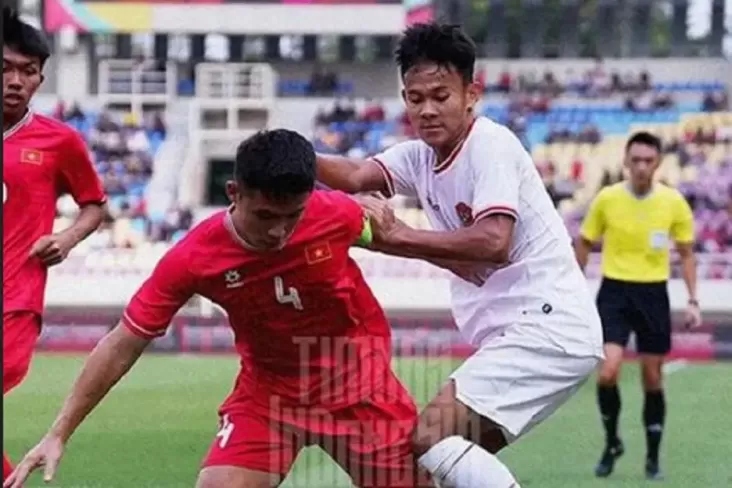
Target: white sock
[{"x": 457, "y": 463}]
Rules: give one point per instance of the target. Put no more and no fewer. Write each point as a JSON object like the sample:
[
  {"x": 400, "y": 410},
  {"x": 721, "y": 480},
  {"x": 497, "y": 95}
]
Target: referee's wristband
[{"x": 693, "y": 302}]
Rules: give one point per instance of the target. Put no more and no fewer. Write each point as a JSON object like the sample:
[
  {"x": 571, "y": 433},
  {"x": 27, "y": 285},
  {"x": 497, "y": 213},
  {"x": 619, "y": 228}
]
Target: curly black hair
[
  {"x": 446, "y": 45},
  {"x": 24, "y": 38},
  {"x": 279, "y": 163}
]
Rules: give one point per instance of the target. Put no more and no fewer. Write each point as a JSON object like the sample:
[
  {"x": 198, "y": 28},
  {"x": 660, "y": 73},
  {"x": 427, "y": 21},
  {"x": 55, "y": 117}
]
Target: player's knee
[
  {"x": 422, "y": 440},
  {"x": 439, "y": 458},
  {"x": 608, "y": 375},
  {"x": 652, "y": 378},
  {"x": 236, "y": 477}
]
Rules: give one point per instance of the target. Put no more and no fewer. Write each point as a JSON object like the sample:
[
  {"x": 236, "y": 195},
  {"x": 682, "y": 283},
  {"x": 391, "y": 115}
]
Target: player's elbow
[
  {"x": 686, "y": 251},
  {"x": 95, "y": 212},
  {"x": 583, "y": 245}
]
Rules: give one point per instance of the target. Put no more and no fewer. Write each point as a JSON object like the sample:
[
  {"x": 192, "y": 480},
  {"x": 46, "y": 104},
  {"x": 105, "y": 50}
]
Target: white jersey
[{"x": 490, "y": 173}]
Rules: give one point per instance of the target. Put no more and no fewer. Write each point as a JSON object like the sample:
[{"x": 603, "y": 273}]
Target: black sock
[
  {"x": 608, "y": 398},
  {"x": 654, "y": 415}
]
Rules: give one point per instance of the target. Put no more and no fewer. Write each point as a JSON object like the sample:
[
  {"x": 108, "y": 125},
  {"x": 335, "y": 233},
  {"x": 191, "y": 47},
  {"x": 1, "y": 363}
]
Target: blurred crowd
[{"x": 122, "y": 149}]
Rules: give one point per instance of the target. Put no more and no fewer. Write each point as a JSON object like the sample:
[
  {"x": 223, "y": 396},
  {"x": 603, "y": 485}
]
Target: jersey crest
[{"x": 465, "y": 213}]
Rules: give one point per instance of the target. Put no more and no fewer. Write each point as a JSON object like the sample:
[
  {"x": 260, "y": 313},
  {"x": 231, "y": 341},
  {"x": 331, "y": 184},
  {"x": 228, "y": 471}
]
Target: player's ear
[
  {"x": 43, "y": 78},
  {"x": 404, "y": 95},
  {"x": 232, "y": 191},
  {"x": 473, "y": 94}
]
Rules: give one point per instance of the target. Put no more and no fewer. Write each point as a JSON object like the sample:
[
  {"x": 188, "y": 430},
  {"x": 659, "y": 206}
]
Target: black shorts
[{"x": 642, "y": 308}]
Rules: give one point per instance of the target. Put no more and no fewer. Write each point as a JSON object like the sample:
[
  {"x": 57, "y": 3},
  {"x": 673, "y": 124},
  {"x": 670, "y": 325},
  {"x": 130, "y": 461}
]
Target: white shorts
[{"x": 519, "y": 378}]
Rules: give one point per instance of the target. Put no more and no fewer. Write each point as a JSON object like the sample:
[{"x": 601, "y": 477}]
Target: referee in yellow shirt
[{"x": 637, "y": 220}]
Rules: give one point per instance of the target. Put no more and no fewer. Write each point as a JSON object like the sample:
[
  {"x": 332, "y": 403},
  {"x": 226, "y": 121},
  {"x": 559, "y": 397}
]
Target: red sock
[{"x": 7, "y": 467}]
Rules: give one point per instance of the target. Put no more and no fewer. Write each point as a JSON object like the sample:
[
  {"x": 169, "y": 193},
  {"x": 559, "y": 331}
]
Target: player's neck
[
  {"x": 448, "y": 150},
  {"x": 11, "y": 120},
  {"x": 640, "y": 191}
]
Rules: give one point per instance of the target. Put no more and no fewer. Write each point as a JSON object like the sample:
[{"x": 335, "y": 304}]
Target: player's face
[
  {"x": 642, "y": 161},
  {"x": 21, "y": 78},
  {"x": 439, "y": 104},
  {"x": 265, "y": 224}
]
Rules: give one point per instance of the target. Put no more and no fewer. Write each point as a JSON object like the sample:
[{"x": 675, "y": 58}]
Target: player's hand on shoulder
[
  {"x": 381, "y": 214},
  {"x": 52, "y": 249},
  {"x": 692, "y": 315},
  {"x": 46, "y": 454}
]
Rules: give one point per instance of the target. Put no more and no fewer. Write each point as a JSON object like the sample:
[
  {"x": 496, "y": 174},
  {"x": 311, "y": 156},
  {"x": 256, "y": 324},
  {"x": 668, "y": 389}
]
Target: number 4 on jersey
[{"x": 291, "y": 298}]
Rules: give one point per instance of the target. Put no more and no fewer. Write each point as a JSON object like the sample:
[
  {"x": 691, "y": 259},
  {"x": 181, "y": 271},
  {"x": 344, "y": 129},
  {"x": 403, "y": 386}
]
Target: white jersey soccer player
[
  {"x": 531, "y": 315},
  {"x": 538, "y": 303}
]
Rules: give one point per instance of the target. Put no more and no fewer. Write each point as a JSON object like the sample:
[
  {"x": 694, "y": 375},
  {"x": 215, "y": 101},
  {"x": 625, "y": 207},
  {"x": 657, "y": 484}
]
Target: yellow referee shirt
[{"x": 637, "y": 232}]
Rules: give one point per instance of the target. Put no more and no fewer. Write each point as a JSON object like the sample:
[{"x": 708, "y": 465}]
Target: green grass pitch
[{"x": 155, "y": 427}]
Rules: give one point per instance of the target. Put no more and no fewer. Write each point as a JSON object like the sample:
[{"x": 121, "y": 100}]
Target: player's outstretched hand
[
  {"x": 51, "y": 249},
  {"x": 692, "y": 316},
  {"x": 47, "y": 453}
]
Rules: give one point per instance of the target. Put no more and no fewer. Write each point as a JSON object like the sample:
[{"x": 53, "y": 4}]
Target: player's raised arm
[
  {"x": 388, "y": 172},
  {"x": 487, "y": 237},
  {"x": 373, "y": 206},
  {"x": 350, "y": 175}
]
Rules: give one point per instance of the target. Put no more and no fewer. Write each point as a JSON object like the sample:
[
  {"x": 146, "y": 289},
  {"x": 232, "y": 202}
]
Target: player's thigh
[
  {"x": 613, "y": 306},
  {"x": 653, "y": 320},
  {"x": 236, "y": 477},
  {"x": 20, "y": 333},
  {"x": 378, "y": 452},
  {"x": 254, "y": 443},
  {"x": 518, "y": 380}
]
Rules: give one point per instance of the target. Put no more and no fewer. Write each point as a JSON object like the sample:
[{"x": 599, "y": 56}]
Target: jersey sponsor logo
[
  {"x": 465, "y": 213},
  {"x": 31, "y": 156},
  {"x": 317, "y": 253},
  {"x": 233, "y": 279}
]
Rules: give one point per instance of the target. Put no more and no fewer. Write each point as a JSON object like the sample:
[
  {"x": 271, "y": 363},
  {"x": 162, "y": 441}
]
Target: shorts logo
[{"x": 465, "y": 213}]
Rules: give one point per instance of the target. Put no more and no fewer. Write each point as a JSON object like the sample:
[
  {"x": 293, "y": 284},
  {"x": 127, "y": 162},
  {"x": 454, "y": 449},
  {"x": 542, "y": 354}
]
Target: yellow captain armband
[{"x": 367, "y": 235}]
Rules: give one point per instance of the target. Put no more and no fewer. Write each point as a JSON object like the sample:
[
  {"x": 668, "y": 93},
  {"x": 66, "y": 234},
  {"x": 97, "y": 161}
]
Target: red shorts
[
  {"x": 370, "y": 440},
  {"x": 20, "y": 332}
]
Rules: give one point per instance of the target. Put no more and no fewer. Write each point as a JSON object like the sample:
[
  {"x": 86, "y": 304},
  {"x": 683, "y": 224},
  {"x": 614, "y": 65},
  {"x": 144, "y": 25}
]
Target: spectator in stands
[
  {"x": 589, "y": 134},
  {"x": 715, "y": 101},
  {"x": 323, "y": 82},
  {"x": 322, "y": 117},
  {"x": 157, "y": 125},
  {"x": 505, "y": 81},
  {"x": 373, "y": 112},
  {"x": 75, "y": 114},
  {"x": 662, "y": 101},
  {"x": 645, "y": 81}
]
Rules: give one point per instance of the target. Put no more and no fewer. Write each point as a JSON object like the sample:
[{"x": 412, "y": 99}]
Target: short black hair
[
  {"x": 446, "y": 45},
  {"x": 645, "y": 138},
  {"x": 279, "y": 163},
  {"x": 24, "y": 38}
]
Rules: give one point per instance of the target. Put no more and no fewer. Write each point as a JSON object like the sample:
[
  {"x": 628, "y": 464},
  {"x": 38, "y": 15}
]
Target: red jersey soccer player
[
  {"x": 314, "y": 343},
  {"x": 42, "y": 159}
]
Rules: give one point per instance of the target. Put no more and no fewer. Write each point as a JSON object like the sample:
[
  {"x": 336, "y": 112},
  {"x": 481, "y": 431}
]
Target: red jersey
[
  {"x": 306, "y": 324},
  {"x": 43, "y": 159}
]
